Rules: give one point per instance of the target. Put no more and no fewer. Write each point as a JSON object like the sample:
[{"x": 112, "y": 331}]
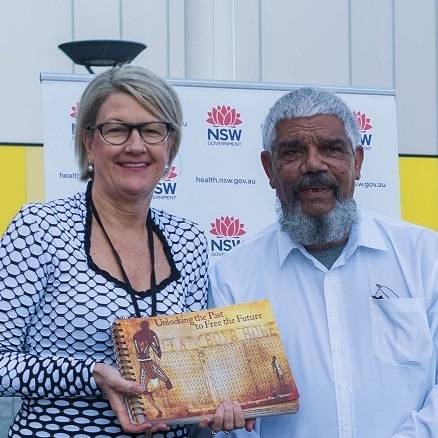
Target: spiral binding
[{"x": 126, "y": 370}]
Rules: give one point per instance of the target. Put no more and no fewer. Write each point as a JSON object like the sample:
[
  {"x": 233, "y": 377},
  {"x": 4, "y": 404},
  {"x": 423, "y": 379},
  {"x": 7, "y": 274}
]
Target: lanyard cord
[{"x": 122, "y": 269}]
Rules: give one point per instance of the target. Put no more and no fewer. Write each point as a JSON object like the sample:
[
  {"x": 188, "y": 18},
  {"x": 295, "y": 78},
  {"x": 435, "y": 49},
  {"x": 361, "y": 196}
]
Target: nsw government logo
[
  {"x": 166, "y": 188},
  {"x": 364, "y": 124},
  {"x": 227, "y": 232},
  {"x": 223, "y": 131}
]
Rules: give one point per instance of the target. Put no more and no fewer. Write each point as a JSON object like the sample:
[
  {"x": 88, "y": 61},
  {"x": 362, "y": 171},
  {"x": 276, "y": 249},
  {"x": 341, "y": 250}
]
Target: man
[{"x": 355, "y": 294}]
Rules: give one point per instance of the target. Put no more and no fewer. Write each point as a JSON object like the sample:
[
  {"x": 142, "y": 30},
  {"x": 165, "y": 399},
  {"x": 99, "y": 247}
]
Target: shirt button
[
  {"x": 334, "y": 313},
  {"x": 339, "y": 348},
  {"x": 346, "y": 427}
]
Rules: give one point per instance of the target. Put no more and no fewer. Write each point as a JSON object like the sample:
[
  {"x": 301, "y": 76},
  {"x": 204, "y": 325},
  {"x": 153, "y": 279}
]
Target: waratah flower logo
[
  {"x": 74, "y": 110},
  {"x": 223, "y": 116},
  {"x": 227, "y": 227},
  {"x": 363, "y": 121},
  {"x": 171, "y": 174}
]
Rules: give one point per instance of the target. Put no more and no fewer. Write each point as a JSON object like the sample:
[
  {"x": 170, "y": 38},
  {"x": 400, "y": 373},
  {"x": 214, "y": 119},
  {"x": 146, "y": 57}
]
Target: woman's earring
[
  {"x": 166, "y": 170},
  {"x": 90, "y": 169}
]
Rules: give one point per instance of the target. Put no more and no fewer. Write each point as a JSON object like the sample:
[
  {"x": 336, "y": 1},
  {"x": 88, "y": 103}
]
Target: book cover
[{"x": 190, "y": 362}]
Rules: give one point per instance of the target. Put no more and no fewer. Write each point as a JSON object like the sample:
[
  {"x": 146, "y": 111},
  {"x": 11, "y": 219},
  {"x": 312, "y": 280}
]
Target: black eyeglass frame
[{"x": 131, "y": 127}]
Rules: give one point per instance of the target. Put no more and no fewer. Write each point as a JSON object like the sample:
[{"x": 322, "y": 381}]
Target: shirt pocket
[{"x": 400, "y": 331}]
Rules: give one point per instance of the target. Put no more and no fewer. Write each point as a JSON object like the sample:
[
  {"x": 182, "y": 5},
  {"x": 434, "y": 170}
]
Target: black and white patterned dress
[{"x": 56, "y": 309}]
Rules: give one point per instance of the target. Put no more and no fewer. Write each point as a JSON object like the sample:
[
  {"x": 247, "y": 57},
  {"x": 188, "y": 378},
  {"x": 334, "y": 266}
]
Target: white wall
[
  {"x": 416, "y": 74},
  {"x": 347, "y": 43}
]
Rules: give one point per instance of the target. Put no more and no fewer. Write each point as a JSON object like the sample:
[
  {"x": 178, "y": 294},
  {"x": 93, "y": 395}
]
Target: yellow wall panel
[
  {"x": 12, "y": 182},
  {"x": 34, "y": 174},
  {"x": 419, "y": 190},
  {"x": 21, "y": 179}
]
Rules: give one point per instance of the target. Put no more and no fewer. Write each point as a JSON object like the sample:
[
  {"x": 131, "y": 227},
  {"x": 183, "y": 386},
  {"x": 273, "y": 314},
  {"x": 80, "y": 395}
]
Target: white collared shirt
[{"x": 364, "y": 367}]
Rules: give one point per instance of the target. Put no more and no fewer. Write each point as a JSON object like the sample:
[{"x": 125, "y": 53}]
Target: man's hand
[{"x": 109, "y": 380}]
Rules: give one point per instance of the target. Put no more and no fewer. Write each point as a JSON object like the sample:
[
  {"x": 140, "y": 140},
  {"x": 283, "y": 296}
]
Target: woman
[{"x": 69, "y": 267}]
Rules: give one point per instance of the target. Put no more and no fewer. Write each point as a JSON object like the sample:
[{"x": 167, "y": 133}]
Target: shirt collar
[
  {"x": 365, "y": 233},
  {"x": 285, "y": 245},
  {"x": 368, "y": 233}
]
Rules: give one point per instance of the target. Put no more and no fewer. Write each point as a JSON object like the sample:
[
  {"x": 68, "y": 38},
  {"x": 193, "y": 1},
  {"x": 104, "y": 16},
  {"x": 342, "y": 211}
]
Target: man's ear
[
  {"x": 266, "y": 158},
  {"x": 358, "y": 160}
]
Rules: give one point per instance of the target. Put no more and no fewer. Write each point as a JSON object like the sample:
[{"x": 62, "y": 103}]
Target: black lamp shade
[{"x": 101, "y": 52}]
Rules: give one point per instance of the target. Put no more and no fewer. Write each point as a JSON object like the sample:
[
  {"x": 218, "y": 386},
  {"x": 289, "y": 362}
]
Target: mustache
[{"x": 315, "y": 179}]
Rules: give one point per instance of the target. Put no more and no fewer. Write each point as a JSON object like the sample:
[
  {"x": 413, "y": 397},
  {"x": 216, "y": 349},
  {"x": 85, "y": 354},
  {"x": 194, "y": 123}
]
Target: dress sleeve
[{"x": 25, "y": 270}]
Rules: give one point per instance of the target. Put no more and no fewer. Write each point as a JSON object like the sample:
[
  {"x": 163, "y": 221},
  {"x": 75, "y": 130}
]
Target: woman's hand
[
  {"x": 228, "y": 416},
  {"x": 109, "y": 380}
]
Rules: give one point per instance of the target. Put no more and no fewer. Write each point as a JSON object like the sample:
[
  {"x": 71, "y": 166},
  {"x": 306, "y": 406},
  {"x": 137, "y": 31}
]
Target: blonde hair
[{"x": 152, "y": 92}]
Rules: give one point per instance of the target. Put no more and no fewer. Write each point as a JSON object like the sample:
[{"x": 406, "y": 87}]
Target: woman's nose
[{"x": 135, "y": 142}]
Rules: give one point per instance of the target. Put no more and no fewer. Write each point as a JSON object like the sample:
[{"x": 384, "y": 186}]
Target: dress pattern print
[{"x": 57, "y": 307}]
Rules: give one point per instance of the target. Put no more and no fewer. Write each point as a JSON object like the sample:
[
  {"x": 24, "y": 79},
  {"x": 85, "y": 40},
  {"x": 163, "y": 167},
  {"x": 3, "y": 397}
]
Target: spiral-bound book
[{"x": 189, "y": 363}]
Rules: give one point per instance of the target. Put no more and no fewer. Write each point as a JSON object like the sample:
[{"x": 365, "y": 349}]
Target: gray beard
[{"x": 331, "y": 227}]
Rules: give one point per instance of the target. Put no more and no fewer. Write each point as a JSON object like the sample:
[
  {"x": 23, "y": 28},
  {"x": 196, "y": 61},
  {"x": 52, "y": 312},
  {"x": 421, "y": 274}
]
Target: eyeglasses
[{"x": 117, "y": 133}]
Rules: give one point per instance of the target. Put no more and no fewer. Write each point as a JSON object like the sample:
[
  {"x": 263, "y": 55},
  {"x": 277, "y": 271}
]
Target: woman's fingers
[
  {"x": 108, "y": 377},
  {"x": 228, "y": 422},
  {"x": 115, "y": 387},
  {"x": 232, "y": 416},
  {"x": 160, "y": 427},
  {"x": 239, "y": 420},
  {"x": 228, "y": 416},
  {"x": 119, "y": 407},
  {"x": 218, "y": 419}
]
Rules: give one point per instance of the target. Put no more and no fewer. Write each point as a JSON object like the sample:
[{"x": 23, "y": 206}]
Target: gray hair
[
  {"x": 308, "y": 102},
  {"x": 153, "y": 93}
]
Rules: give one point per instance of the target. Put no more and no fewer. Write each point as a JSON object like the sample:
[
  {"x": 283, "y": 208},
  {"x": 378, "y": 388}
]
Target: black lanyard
[{"x": 122, "y": 269}]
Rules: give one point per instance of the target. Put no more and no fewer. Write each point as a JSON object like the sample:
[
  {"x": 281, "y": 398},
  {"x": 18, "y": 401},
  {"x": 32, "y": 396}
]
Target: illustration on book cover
[
  {"x": 146, "y": 344},
  {"x": 189, "y": 363}
]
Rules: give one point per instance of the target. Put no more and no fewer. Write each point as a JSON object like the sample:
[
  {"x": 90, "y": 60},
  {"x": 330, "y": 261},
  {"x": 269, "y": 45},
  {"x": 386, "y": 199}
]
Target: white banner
[{"x": 217, "y": 179}]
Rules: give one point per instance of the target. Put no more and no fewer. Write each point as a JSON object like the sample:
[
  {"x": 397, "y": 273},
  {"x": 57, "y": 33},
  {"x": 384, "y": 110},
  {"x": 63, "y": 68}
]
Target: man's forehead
[{"x": 321, "y": 124}]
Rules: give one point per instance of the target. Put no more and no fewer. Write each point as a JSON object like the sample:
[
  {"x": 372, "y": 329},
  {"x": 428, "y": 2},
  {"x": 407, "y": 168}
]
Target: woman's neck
[{"x": 124, "y": 216}]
